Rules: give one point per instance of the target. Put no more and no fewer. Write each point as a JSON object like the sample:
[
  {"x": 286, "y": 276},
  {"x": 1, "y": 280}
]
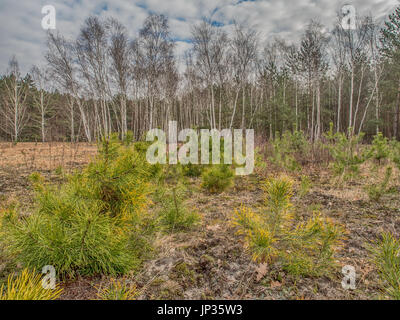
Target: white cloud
[{"x": 22, "y": 33}]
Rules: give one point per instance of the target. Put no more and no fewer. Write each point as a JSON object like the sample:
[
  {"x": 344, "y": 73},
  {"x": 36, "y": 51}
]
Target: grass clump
[
  {"x": 272, "y": 235},
  {"x": 118, "y": 290},
  {"x": 386, "y": 257},
  {"x": 27, "y": 286},
  {"x": 217, "y": 178},
  {"x": 95, "y": 223}
]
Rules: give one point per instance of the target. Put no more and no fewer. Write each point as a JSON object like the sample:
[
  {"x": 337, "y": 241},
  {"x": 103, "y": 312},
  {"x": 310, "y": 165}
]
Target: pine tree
[{"x": 391, "y": 49}]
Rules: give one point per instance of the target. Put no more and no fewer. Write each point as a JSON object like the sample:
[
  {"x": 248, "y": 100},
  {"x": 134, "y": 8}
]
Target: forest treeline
[{"x": 103, "y": 81}]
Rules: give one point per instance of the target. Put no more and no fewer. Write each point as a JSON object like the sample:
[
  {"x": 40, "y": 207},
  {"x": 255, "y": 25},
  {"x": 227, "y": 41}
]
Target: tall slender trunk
[
  {"x": 397, "y": 124},
  {"x": 72, "y": 121},
  {"x": 16, "y": 112},
  {"x": 318, "y": 129},
  {"x": 243, "y": 106},
  {"x": 42, "y": 115},
  {"x": 339, "y": 105},
  {"x": 296, "y": 106},
  {"x": 351, "y": 96},
  {"x": 234, "y": 107}
]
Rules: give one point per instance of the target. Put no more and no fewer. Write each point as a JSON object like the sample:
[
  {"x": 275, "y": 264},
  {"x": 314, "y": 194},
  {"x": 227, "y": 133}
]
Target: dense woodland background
[{"x": 105, "y": 82}]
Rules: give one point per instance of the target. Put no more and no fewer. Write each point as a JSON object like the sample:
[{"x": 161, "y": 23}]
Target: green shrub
[
  {"x": 217, "y": 178},
  {"x": 142, "y": 146},
  {"x": 94, "y": 223},
  {"x": 344, "y": 150},
  {"x": 260, "y": 161},
  {"x": 287, "y": 148},
  {"x": 311, "y": 246},
  {"x": 380, "y": 149},
  {"x": 192, "y": 170},
  {"x": 129, "y": 138},
  {"x": 36, "y": 178},
  {"x": 277, "y": 210},
  {"x": 305, "y": 248},
  {"x": 395, "y": 152},
  {"x": 175, "y": 214},
  {"x": 386, "y": 257},
  {"x": 305, "y": 186},
  {"x": 376, "y": 191}
]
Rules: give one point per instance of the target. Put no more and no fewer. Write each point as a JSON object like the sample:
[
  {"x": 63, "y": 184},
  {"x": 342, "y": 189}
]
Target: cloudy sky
[{"x": 21, "y": 32}]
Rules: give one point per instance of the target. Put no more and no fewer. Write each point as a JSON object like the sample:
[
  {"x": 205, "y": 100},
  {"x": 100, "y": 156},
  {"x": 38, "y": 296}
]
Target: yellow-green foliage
[
  {"x": 305, "y": 248},
  {"x": 27, "y": 286},
  {"x": 93, "y": 223},
  {"x": 395, "y": 152},
  {"x": 263, "y": 244},
  {"x": 346, "y": 153},
  {"x": 311, "y": 246},
  {"x": 278, "y": 207},
  {"x": 118, "y": 290},
  {"x": 386, "y": 257},
  {"x": 217, "y": 178},
  {"x": 376, "y": 191},
  {"x": 174, "y": 213},
  {"x": 380, "y": 149},
  {"x": 305, "y": 186},
  {"x": 260, "y": 163},
  {"x": 289, "y": 147}
]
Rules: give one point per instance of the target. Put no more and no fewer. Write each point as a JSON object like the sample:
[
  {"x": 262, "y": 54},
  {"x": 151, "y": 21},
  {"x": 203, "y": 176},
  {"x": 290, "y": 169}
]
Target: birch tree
[
  {"x": 41, "y": 97},
  {"x": 14, "y": 107}
]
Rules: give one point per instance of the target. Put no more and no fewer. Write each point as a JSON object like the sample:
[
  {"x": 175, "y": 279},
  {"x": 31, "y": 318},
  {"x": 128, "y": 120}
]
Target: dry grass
[{"x": 45, "y": 156}]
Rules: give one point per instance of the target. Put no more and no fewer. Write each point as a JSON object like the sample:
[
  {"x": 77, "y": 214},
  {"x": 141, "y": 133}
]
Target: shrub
[
  {"x": 344, "y": 150},
  {"x": 118, "y": 290},
  {"x": 278, "y": 206},
  {"x": 376, "y": 191},
  {"x": 27, "y": 286},
  {"x": 36, "y": 178},
  {"x": 262, "y": 244},
  {"x": 196, "y": 170},
  {"x": 386, "y": 257},
  {"x": 217, "y": 178},
  {"x": 192, "y": 170},
  {"x": 305, "y": 248},
  {"x": 175, "y": 215},
  {"x": 395, "y": 152},
  {"x": 305, "y": 186},
  {"x": 94, "y": 223},
  {"x": 380, "y": 148},
  {"x": 129, "y": 138},
  {"x": 142, "y": 146},
  {"x": 260, "y": 162},
  {"x": 286, "y": 149},
  {"x": 311, "y": 246}
]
